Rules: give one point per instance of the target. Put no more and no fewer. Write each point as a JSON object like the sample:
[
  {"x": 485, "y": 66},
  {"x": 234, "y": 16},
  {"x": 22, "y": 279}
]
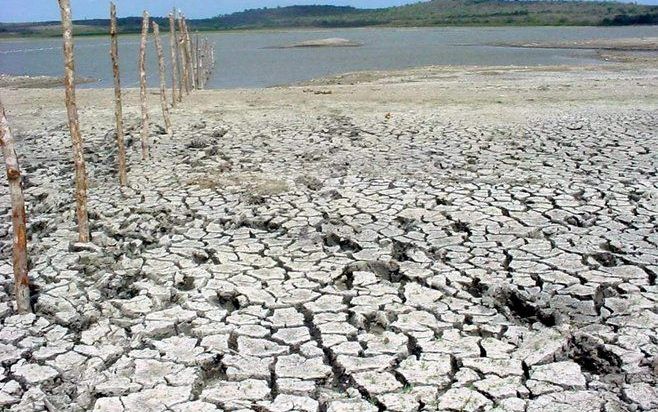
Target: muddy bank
[
  {"x": 331, "y": 42},
  {"x": 36, "y": 82},
  {"x": 628, "y": 44}
]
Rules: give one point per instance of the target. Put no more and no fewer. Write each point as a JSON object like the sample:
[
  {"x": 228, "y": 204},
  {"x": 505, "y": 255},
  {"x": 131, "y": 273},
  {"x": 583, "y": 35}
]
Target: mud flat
[
  {"x": 331, "y": 42},
  {"x": 35, "y": 82},
  {"x": 459, "y": 239},
  {"x": 627, "y": 44}
]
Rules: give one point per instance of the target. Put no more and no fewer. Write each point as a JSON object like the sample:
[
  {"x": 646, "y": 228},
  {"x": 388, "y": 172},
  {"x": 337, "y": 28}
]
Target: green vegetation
[
  {"x": 445, "y": 13},
  {"x": 427, "y": 13}
]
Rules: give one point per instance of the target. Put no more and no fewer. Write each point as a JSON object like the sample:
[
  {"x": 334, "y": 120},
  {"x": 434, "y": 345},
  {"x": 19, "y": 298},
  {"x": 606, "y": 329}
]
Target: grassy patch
[{"x": 240, "y": 183}]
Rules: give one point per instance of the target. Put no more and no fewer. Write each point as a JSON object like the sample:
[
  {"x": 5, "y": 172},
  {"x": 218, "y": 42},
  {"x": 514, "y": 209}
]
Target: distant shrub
[{"x": 625, "y": 19}]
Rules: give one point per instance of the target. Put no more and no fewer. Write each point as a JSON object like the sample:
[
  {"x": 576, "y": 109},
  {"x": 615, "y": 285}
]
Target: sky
[{"x": 44, "y": 10}]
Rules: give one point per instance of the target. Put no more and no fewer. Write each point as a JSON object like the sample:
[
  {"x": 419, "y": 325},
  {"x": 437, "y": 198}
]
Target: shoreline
[
  {"x": 489, "y": 90},
  {"x": 630, "y": 44},
  {"x": 610, "y": 60}
]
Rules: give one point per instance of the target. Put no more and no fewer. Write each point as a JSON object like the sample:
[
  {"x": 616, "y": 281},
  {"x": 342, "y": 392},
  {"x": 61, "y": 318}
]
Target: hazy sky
[{"x": 41, "y": 10}]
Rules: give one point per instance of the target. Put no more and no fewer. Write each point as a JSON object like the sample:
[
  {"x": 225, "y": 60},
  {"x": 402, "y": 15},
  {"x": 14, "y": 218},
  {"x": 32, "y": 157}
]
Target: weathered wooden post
[
  {"x": 203, "y": 63},
  {"x": 186, "y": 51},
  {"x": 118, "y": 111},
  {"x": 181, "y": 59},
  {"x": 184, "y": 61},
  {"x": 163, "y": 81},
  {"x": 197, "y": 61},
  {"x": 173, "y": 45},
  {"x": 74, "y": 124},
  {"x": 190, "y": 55},
  {"x": 207, "y": 62},
  {"x": 206, "y": 65},
  {"x": 18, "y": 219},
  {"x": 142, "y": 86},
  {"x": 212, "y": 61}
]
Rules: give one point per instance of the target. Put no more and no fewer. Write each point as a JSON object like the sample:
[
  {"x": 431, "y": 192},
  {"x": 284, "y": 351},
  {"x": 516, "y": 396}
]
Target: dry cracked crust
[{"x": 344, "y": 264}]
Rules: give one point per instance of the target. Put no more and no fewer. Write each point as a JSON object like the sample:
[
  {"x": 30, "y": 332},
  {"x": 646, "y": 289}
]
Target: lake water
[{"x": 247, "y": 59}]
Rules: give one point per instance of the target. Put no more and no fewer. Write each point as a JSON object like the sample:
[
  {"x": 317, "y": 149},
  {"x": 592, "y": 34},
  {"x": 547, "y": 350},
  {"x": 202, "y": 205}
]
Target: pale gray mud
[{"x": 333, "y": 254}]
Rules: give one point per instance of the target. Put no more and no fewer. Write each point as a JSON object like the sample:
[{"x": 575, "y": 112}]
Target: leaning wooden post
[
  {"x": 18, "y": 219},
  {"x": 118, "y": 111},
  {"x": 173, "y": 45},
  {"x": 74, "y": 124},
  {"x": 163, "y": 81},
  {"x": 142, "y": 86},
  {"x": 184, "y": 61}
]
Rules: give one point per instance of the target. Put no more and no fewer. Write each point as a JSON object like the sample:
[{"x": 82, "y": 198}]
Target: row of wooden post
[{"x": 191, "y": 67}]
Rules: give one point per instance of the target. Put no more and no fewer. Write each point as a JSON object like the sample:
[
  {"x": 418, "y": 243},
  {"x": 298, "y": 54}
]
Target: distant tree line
[{"x": 626, "y": 20}]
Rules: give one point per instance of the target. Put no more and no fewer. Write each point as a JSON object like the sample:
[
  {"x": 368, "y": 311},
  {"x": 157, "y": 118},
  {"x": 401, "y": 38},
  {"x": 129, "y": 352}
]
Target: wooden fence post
[
  {"x": 118, "y": 111},
  {"x": 74, "y": 125},
  {"x": 190, "y": 55},
  {"x": 173, "y": 45},
  {"x": 182, "y": 85},
  {"x": 163, "y": 81},
  {"x": 184, "y": 60},
  {"x": 197, "y": 61},
  {"x": 211, "y": 69},
  {"x": 203, "y": 63},
  {"x": 186, "y": 56},
  {"x": 206, "y": 61},
  {"x": 18, "y": 219},
  {"x": 142, "y": 85}
]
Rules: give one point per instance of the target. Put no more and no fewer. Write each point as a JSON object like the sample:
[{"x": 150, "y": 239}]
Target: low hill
[
  {"x": 445, "y": 13},
  {"x": 428, "y": 13}
]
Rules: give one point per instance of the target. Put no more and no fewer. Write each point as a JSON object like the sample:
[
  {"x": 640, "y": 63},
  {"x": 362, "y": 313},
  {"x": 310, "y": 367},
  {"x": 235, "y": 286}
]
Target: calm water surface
[{"x": 246, "y": 59}]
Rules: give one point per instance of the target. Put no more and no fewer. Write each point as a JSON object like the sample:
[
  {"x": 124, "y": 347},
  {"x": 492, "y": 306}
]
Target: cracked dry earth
[{"x": 344, "y": 262}]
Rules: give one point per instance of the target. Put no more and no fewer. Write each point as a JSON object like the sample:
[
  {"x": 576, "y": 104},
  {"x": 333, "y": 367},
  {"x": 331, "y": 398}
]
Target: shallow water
[{"x": 248, "y": 59}]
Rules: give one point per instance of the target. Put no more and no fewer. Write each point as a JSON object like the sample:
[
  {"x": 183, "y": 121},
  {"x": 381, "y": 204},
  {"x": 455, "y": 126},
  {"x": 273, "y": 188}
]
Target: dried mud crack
[{"x": 343, "y": 261}]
